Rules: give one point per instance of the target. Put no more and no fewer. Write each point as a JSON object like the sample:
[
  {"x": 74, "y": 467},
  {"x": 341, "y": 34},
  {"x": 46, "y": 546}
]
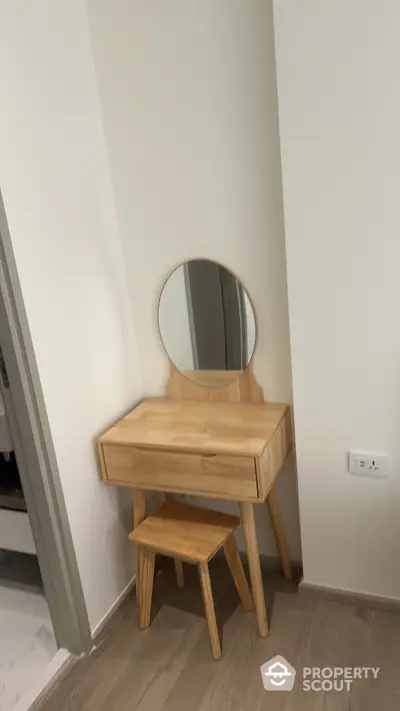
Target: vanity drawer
[{"x": 166, "y": 470}]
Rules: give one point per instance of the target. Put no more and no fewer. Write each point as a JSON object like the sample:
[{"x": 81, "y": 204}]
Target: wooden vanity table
[{"x": 222, "y": 442}]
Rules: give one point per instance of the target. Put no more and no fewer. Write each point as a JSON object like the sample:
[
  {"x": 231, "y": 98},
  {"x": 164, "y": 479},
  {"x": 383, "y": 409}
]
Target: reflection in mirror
[{"x": 206, "y": 322}]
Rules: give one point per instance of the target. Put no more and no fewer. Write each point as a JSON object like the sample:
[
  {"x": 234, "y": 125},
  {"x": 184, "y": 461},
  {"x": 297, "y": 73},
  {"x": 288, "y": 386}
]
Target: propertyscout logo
[{"x": 279, "y": 675}]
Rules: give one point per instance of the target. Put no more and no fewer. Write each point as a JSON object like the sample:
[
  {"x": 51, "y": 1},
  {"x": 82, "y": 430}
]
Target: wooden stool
[{"x": 194, "y": 535}]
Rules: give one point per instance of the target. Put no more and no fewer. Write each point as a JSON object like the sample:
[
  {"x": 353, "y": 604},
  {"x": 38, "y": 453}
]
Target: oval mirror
[{"x": 206, "y": 322}]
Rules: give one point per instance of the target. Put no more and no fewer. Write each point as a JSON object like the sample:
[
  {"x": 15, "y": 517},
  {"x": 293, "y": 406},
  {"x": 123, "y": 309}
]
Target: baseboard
[
  {"x": 351, "y": 597},
  {"x": 108, "y": 620},
  {"x": 51, "y": 676},
  {"x": 267, "y": 562},
  {"x": 63, "y": 660},
  {"x": 271, "y": 561},
  {"x": 111, "y": 616}
]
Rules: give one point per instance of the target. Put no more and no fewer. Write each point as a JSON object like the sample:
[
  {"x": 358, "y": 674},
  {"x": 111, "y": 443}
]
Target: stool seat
[{"x": 182, "y": 531}]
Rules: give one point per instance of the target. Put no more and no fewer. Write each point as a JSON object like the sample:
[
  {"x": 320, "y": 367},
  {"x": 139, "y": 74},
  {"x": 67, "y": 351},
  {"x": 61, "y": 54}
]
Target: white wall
[
  {"x": 188, "y": 92},
  {"x": 338, "y": 68},
  {"x": 57, "y": 192}
]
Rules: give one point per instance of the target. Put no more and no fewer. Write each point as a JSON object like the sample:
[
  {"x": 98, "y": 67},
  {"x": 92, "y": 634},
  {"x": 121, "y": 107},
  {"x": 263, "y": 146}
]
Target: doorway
[
  {"x": 30, "y": 486},
  {"x": 216, "y": 301}
]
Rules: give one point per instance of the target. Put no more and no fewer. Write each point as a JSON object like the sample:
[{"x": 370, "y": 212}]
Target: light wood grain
[
  {"x": 186, "y": 532},
  {"x": 210, "y": 441},
  {"x": 139, "y": 514},
  {"x": 232, "y": 450},
  {"x": 100, "y": 456},
  {"x": 243, "y": 388},
  {"x": 181, "y": 472},
  {"x": 274, "y": 454},
  {"x": 195, "y": 535},
  {"x": 212, "y": 378},
  {"x": 253, "y": 557},
  {"x": 139, "y": 506},
  {"x": 210, "y": 610},
  {"x": 242, "y": 429},
  {"x": 146, "y": 564},
  {"x": 279, "y": 533},
  {"x": 238, "y": 574},
  {"x": 180, "y": 577}
]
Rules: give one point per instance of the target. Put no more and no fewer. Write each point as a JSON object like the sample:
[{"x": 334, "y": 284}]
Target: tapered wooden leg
[
  {"x": 180, "y": 578},
  {"x": 139, "y": 514},
  {"x": 249, "y": 529},
  {"x": 279, "y": 533},
  {"x": 139, "y": 506},
  {"x": 238, "y": 574},
  {"x": 147, "y": 559},
  {"x": 210, "y": 610}
]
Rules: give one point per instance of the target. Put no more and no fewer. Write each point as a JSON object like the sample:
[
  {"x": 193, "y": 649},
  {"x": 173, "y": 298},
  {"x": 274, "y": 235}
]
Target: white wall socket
[{"x": 369, "y": 464}]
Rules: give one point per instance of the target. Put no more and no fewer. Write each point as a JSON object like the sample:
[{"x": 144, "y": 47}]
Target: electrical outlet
[{"x": 369, "y": 464}]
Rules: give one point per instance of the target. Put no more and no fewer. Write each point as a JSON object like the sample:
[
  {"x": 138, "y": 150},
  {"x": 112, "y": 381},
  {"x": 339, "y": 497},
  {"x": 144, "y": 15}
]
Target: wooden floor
[{"x": 169, "y": 667}]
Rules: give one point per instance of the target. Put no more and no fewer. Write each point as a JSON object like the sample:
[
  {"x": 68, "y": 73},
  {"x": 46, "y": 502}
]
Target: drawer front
[{"x": 231, "y": 477}]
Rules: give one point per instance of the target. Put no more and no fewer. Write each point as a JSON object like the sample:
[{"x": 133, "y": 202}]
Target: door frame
[{"x": 37, "y": 463}]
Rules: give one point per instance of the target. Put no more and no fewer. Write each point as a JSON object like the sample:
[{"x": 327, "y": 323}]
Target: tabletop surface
[{"x": 242, "y": 429}]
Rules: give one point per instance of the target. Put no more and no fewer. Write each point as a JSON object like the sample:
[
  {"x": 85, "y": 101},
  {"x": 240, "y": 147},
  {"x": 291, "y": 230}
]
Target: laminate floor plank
[
  {"x": 93, "y": 677},
  {"x": 384, "y": 692},
  {"x": 169, "y": 667},
  {"x": 145, "y": 685},
  {"x": 201, "y": 671},
  {"x": 240, "y": 687}
]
